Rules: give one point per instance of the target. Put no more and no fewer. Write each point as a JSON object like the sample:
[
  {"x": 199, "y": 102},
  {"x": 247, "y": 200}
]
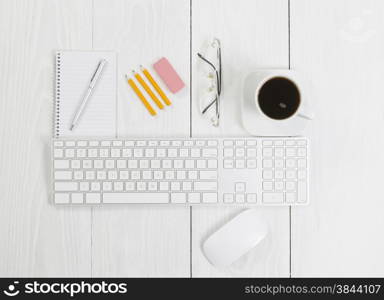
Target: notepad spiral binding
[{"x": 56, "y": 129}]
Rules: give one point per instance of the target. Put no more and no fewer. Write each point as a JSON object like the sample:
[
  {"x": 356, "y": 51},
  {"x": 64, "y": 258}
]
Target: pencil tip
[
  {"x": 126, "y": 76},
  {"x": 133, "y": 72},
  {"x": 72, "y": 126}
]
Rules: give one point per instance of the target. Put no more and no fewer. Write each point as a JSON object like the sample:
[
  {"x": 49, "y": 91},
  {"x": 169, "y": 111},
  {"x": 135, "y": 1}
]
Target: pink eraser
[{"x": 168, "y": 74}]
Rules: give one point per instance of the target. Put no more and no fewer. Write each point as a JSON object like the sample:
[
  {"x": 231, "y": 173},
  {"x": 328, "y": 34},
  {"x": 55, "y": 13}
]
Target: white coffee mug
[{"x": 280, "y": 95}]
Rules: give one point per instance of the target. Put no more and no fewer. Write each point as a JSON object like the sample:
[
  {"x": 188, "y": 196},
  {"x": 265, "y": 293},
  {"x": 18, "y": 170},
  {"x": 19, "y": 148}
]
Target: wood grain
[
  {"x": 339, "y": 45},
  {"x": 37, "y": 238},
  {"x": 253, "y": 34},
  {"x": 142, "y": 240}
]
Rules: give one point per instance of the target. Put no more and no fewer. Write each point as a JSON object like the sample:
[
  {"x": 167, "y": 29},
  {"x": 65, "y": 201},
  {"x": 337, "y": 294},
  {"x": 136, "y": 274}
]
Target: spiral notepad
[{"x": 74, "y": 70}]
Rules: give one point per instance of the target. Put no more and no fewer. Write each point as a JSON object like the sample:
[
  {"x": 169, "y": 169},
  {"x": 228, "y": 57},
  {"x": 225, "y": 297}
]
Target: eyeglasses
[{"x": 215, "y": 78}]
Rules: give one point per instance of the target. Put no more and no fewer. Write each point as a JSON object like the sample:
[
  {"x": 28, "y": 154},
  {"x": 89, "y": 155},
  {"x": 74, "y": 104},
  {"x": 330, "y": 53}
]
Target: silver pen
[{"x": 92, "y": 84}]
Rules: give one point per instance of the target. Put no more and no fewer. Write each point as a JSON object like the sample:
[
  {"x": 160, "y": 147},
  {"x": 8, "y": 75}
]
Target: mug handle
[{"x": 306, "y": 114}]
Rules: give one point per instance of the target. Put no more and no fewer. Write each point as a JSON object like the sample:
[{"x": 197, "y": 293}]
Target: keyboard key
[
  {"x": 90, "y": 175},
  {"x": 240, "y": 152},
  {"x": 290, "y": 185},
  {"x": 251, "y": 152},
  {"x": 240, "y": 187},
  {"x": 63, "y": 175},
  {"x": 95, "y": 186},
  {"x": 130, "y": 186},
  {"x": 290, "y": 174},
  {"x": 109, "y": 164},
  {"x": 290, "y": 197},
  {"x": 126, "y": 153},
  {"x": 210, "y": 197},
  {"x": 80, "y": 153},
  {"x": 187, "y": 186},
  {"x": 58, "y": 143},
  {"x": 61, "y": 164},
  {"x": 175, "y": 186},
  {"x": 279, "y": 185},
  {"x": 169, "y": 175},
  {"x": 87, "y": 164},
  {"x": 212, "y": 164},
  {"x": 84, "y": 186},
  {"x": 228, "y": 152},
  {"x": 267, "y": 163},
  {"x": 158, "y": 175},
  {"x": 101, "y": 175},
  {"x": 205, "y": 186},
  {"x": 57, "y": 153},
  {"x": 278, "y": 143},
  {"x": 78, "y": 175},
  {"x": 121, "y": 163},
  {"x": 132, "y": 164},
  {"x": 92, "y": 198},
  {"x": 267, "y": 186},
  {"x": 279, "y": 163},
  {"x": 123, "y": 174},
  {"x": 192, "y": 174},
  {"x": 228, "y": 143},
  {"x": 301, "y": 142},
  {"x": 184, "y": 152},
  {"x": 140, "y": 198},
  {"x": 290, "y": 142},
  {"x": 141, "y": 186},
  {"x": 267, "y": 152},
  {"x": 279, "y": 152},
  {"x": 104, "y": 153},
  {"x": 290, "y": 163},
  {"x": 61, "y": 198},
  {"x": 172, "y": 152},
  {"x": 93, "y": 144},
  {"x": 267, "y": 174},
  {"x": 194, "y": 197},
  {"x": 70, "y": 143},
  {"x": 77, "y": 198},
  {"x": 107, "y": 186},
  {"x": 135, "y": 175},
  {"x": 240, "y": 163},
  {"x": 302, "y": 163},
  {"x": 65, "y": 186},
  {"x": 152, "y": 186},
  {"x": 118, "y": 186},
  {"x": 117, "y": 143},
  {"x": 138, "y": 152},
  {"x": 228, "y": 198},
  {"x": 240, "y": 198},
  {"x": 105, "y": 143},
  {"x": 251, "y": 142},
  {"x": 251, "y": 198},
  {"x": 289, "y": 152},
  {"x": 155, "y": 164},
  {"x": 195, "y": 152},
  {"x": 273, "y": 198},
  {"x": 279, "y": 174},
  {"x": 267, "y": 143},
  {"x": 98, "y": 164},
  {"x": 92, "y": 152},
  {"x": 240, "y": 143},
  {"x": 212, "y": 143},
  {"x": 181, "y": 175},
  {"x": 178, "y": 197},
  {"x": 201, "y": 164},
  {"x": 210, "y": 152},
  {"x": 302, "y": 191},
  {"x": 144, "y": 164},
  {"x": 147, "y": 175},
  {"x": 302, "y": 152},
  {"x": 302, "y": 174},
  {"x": 164, "y": 186},
  {"x": 208, "y": 175},
  {"x": 251, "y": 163},
  {"x": 75, "y": 164}
]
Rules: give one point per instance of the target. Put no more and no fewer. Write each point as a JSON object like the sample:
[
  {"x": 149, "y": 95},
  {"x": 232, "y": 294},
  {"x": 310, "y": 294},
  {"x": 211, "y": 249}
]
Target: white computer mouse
[{"x": 235, "y": 238}]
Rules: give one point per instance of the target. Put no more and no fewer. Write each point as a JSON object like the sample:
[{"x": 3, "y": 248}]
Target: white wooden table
[{"x": 339, "y": 45}]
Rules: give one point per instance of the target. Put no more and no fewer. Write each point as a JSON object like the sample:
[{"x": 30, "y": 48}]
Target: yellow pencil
[
  {"x": 148, "y": 90},
  {"x": 140, "y": 95},
  {"x": 156, "y": 86}
]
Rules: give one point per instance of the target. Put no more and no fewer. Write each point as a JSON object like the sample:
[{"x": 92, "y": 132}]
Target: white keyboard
[{"x": 237, "y": 171}]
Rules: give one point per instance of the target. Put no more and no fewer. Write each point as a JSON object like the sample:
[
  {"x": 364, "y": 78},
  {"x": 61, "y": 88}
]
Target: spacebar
[{"x": 136, "y": 198}]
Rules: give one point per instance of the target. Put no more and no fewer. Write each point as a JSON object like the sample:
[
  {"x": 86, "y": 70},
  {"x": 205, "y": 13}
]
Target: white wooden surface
[
  {"x": 341, "y": 232},
  {"x": 338, "y": 44}
]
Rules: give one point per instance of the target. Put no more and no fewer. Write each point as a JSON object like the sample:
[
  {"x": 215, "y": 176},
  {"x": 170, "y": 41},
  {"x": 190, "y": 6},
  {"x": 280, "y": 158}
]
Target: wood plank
[
  {"x": 37, "y": 238},
  {"x": 254, "y": 34},
  {"x": 338, "y": 44},
  {"x": 142, "y": 240}
]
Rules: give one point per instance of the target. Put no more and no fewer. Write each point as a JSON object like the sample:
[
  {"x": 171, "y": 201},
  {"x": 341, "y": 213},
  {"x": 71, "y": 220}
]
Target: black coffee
[{"x": 279, "y": 98}]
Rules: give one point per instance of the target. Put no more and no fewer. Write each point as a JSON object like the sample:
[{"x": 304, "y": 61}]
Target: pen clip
[{"x": 98, "y": 70}]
